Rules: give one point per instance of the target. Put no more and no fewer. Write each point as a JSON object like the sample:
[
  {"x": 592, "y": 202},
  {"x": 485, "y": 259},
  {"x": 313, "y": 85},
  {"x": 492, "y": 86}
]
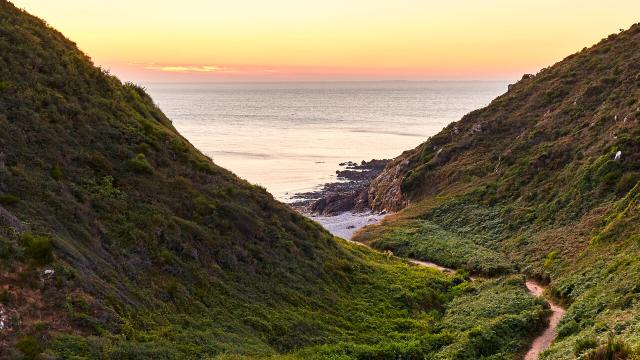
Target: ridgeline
[
  {"x": 120, "y": 240},
  {"x": 543, "y": 181}
]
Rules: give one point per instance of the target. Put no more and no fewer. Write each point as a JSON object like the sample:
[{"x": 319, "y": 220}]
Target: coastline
[
  {"x": 335, "y": 209},
  {"x": 341, "y": 206},
  {"x": 344, "y": 225}
]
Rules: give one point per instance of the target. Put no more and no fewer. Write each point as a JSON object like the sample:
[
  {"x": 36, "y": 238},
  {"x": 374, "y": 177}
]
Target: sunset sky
[{"x": 266, "y": 40}]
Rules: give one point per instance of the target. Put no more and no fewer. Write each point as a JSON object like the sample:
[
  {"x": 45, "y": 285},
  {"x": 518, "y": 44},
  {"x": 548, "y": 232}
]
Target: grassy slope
[
  {"x": 531, "y": 181},
  {"x": 159, "y": 253}
]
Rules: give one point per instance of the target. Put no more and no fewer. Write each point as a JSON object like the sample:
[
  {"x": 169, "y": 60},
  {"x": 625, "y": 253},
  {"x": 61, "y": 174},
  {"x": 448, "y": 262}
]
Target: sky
[{"x": 303, "y": 40}]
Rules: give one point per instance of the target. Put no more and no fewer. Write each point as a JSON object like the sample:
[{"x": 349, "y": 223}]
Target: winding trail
[
  {"x": 540, "y": 343},
  {"x": 544, "y": 340},
  {"x": 430, "y": 265}
]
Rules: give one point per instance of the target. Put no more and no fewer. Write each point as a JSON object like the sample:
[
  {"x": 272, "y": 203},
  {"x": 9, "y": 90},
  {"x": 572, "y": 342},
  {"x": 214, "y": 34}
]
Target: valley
[{"x": 511, "y": 233}]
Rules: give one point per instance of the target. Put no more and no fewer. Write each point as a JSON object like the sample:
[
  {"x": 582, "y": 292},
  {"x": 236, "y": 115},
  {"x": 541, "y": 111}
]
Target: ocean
[{"x": 290, "y": 137}]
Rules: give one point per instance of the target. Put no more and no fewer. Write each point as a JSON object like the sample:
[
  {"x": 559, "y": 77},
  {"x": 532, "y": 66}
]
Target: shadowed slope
[{"x": 120, "y": 240}]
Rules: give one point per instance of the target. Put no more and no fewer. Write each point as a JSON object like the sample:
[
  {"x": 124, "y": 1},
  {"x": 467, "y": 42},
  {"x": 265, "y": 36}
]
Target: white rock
[
  {"x": 4, "y": 319},
  {"x": 47, "y": 274},
  {"x": 618, "y": 156}
]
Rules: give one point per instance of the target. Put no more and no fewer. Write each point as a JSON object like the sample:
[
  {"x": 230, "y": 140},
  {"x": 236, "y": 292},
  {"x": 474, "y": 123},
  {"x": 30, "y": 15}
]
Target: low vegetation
[
  {"x": 543, "y": 181},
  {"x": 119, "y": 240}
]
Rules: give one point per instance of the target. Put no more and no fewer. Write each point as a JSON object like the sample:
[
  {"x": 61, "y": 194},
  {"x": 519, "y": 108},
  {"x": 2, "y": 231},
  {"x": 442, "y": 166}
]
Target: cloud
[{"x": 185, "y": 69}]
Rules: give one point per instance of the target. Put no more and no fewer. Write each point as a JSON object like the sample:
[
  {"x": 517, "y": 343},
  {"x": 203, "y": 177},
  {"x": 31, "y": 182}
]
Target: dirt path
[
  {"x": 542, "y": 342},
  {"x": 431, "y": 265}
]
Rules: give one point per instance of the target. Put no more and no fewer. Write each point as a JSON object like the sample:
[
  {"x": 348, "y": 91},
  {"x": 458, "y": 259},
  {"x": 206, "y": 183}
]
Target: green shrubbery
[
  {"x": 140, "y": 164},
  {"x": 29, "y": 347},
  {"x": 38, "y": 248},
  {"x": 613, "y": 349},
  {"x": 188, "y": 261},
  {"x": 539, "y": 185},
  {"x": 583, "y": 345},
  {"x": 9, "y": 199},
  {"x": 424, "y": 240},
  {"x": 56, "y": 172},
  {"x": 627, "y": 182},
  {"x": 7, "y": 249},
  {"x": 4, "y": 85}
]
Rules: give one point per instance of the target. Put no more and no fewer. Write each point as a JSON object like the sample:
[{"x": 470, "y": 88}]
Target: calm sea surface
[{"x": 290, "y": 137}]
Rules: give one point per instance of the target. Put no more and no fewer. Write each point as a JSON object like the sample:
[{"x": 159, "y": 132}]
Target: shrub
[
  {"x": 612, "y": 350},
  {"x": 29, "y": 347},
  {"x": 6, "y": 249},
  {"x": 550, "y": 257},
  {"x": 583, "y": 345},
  {"x": 8, "y": 199},
  {"x": 178, "y": 145},
  {"x": 171, "y": 287},
  {"x": 56, "y": 172},
  {"x": 568, "y": 328},
  {"x": 165, "y": 257},
  {"x": 4, "y": 85},
  {"x": 205, "y": 166},
  {"x": 140, "y": 164},
  {"x": 39, "y": 248},
  {"x": 609, "y": 172},
  {"x": 104, "y": 188},
  {"x": 627, "y": 182}
]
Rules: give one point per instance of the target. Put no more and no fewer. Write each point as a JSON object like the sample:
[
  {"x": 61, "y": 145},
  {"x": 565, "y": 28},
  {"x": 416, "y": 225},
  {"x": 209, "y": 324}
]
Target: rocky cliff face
[{"x": 384, "y": 192}]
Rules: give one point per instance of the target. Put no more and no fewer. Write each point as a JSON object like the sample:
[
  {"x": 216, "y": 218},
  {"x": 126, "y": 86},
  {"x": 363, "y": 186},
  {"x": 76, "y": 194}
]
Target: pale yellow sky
[{"x": 186, "y": 40}]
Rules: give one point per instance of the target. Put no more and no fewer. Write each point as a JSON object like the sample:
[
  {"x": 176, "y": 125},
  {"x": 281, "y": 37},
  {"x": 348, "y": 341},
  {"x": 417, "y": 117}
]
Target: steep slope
[
  {"x": 120, "y": 240},
  {"x": 543, "y": 180}
]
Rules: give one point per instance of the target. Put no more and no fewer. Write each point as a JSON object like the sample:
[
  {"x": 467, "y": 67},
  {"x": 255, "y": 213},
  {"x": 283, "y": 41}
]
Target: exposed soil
[
  {"x": 540, "y": 343},
  {"x": 544, "y": 340},
  {"x": 348, "y": 194}
]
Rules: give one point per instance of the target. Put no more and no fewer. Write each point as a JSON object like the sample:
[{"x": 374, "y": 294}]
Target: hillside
[
  {"x": 120, "y": 240},
  {"x": 544, "y": 180}
]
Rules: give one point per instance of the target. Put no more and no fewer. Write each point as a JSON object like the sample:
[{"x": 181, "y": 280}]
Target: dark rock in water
[
  {"x": 347, "y": 194},
  {"x": 334, "y": 203}
]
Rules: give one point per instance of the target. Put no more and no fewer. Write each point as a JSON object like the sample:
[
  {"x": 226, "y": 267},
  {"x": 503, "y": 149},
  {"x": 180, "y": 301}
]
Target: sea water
[{"x": 290, "y": 137}]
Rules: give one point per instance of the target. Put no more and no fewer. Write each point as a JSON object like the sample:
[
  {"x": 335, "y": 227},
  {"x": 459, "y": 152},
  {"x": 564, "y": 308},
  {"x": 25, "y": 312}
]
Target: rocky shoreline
[{"x": 348, "y": 193}]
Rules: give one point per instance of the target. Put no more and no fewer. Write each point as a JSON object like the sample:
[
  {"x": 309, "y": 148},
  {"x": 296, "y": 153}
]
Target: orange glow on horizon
[{"x": 247, "y": 40}]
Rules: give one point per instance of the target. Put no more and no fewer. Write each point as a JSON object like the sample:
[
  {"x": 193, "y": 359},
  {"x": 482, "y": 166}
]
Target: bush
[
  {"x": 627, "y": 182},
  {"x": 612, "y": 350},
  {"x": 609, "y": 172},
  {"x": 6, "y": 249},
  {"x": 583, "y": 345},
  {"x": 165, "y": 257},
  {"x": 140, "y": 164},
  {"x": 56, "y": 172},
  {"x": 29, "y": 347},
  {"x": 568, "y": 328},
  {"x": 550, "y": 257},
  {"x": 8, "y": 199},
  {"x": 39, "y": 248}
]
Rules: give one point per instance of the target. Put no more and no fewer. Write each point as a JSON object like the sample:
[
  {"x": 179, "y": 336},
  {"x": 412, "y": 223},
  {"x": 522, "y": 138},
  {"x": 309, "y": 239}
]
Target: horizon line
[{"x": 326, "y": 81}]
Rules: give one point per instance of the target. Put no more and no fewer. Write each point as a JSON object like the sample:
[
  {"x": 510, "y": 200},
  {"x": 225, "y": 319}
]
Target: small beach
[{"x": 346, "y": 224}]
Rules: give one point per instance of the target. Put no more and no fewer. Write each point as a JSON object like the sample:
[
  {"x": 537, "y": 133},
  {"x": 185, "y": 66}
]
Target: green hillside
[
  {"x": 532, "y": 183},
  {"x": 119, "y": 240}
]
